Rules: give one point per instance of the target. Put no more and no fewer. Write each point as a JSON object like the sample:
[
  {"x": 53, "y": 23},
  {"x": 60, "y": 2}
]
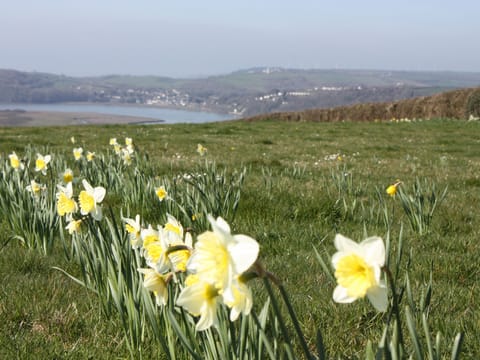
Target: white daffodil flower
[
  {"x": 90, "y": 198},
  {"x": 156, "y": 283},
  {"x": 66, "y": 205},
  {"x": 358, "y": 271},
  {"x": 15, "y": 161},
  {"x": 41, "y": 164},
  {"x": 77, "y": 153},
  {"x": 134, "y": 229},
  {"x": 219, "y": 257},
  {"x": 200, "y": 298}
]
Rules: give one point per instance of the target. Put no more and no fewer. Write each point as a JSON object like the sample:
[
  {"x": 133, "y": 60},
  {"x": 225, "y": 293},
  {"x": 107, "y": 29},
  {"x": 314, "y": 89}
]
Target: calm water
[{"x": 168, "y": 116}]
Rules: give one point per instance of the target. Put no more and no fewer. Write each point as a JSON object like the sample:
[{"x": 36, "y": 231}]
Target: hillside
[
  {"x": 458, "y": 104},
  {"x": 245, "y": 93}
]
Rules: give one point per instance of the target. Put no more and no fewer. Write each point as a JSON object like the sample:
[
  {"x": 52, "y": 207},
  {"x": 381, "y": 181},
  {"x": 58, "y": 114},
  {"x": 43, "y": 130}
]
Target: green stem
[
  {"x": 396, "y": 308},
  {"x": 278, "y": 314}
]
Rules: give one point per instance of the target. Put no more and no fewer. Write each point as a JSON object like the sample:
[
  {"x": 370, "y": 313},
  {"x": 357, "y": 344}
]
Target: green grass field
[{"x": 305, "y": 182}]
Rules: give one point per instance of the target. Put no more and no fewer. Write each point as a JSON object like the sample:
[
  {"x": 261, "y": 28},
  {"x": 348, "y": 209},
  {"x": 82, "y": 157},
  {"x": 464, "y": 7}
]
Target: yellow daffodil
[
  {"x": 15, "y": 161},
  {"x": 202, "y": 150},
  {"x": 90, "y": 198},
  {"x": 113, "y": 141},
  {"x": 134, "y": 229},
  {"x": 128, "y": 141},
  {"x": 358, "y": 271},
  {"x": 156, "y": 283},
  {"x": 67, "y": 176},
  {"x": 90, "y": 156},
  {"x": 200, "y": 298},
  {"x": 392, "y": 189},
  {"x": 73, "y": 226},
  {"x": 35, "y": 188},
  {"x": 219, "y": 257},
  {"x": 72, "y": 139},
  {"x": 161, "y": 193},
  {"x": 66, "y": 205},
  {"x": 77, "y": 153},
  {"x": 41, "y": 164}
]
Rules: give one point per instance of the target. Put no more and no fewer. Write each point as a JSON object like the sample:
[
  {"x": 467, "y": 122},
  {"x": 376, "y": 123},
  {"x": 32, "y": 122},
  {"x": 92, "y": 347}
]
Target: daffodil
[
  {"x": 77, "y": 153},
  {"x": 73, "y": 226},
  {"x": 67, "y": 176},
  {"x": 392, "y": 189},
  {"x": 178, "y": 247},
  {"x": 156, "y": 283},
  {"x": 15, "y": 161},
  {"x": 200, "y": 298},
  {"x": 358, "y": 268},
  {"x": 202, "y": 150},
  {"x": 128, "y": 141},
  {"x": 238, "y": 298},
  {"x": 90, "y": 198},
  {"x": 154, "y": 249},
  {"x": 72, "y": 139},
  {"x": 113, "y": 141},
  {"x": 35, "y": 188},
  {"x": 118, "y": 149},
  {"x": 66, "y": 205},
  {"x": 161, "y": 193},
  {"x": 126, "y": 157},
  {"x": 134, "y": 229},
  {"x": 219, "y": 257},
  {"x": 41, "y": 164},
  {"x": 90, "y": 156}
]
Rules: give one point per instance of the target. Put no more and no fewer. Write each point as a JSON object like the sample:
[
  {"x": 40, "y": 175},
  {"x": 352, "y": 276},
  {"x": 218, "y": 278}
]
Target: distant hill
[
  {"x": 245, "y": 92},
  {"x": 459, "y": 104}
]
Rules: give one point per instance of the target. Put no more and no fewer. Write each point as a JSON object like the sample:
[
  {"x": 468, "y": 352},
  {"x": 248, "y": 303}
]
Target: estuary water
[{"x": 151, "y": 114}]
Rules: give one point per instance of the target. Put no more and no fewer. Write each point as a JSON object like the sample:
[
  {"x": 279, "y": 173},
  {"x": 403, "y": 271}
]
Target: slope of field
[{"x": 457, "y": 104}]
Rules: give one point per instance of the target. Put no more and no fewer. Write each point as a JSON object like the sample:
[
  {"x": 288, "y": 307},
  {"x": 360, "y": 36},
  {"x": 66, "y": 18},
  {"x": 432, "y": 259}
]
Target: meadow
[{"x": 291, "y": 186}]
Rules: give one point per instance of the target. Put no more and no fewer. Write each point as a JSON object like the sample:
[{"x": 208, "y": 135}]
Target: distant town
[{"x": 243, "y": 93}]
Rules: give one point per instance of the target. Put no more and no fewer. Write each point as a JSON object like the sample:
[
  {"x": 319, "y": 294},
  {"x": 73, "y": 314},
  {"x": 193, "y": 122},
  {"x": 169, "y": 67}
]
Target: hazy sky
[{"x": 192, "y": 37}]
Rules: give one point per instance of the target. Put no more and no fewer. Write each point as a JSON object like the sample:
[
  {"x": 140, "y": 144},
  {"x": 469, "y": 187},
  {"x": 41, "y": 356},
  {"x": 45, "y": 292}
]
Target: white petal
[
  {"x": 343, "y": 243},
  {"x": 207, "y": 319},
  {"x": 47, "y": 159},
  {"x": 340, "y": 295},
  {"x": 97, "y": 213},
  {"x": 219, "y": 225},
  {"x": 374, "y": 250},
  {"x": 244, "y": 252},
  {"x": 99, "y": 194},
  {"x": 378, "y": 296},
  {"x": 191, "y": 298},
  {"x": 87, "y": 186}
]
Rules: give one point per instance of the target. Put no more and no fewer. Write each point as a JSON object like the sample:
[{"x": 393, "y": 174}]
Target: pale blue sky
[{"x": 197, "y": 38}]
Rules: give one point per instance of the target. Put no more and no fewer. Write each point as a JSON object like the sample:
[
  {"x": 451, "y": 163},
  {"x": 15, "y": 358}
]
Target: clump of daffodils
[
  {"x": 358, "y": 270},
  {"x": 126, "y": 152},
  {"x": 216, "y": 267},
  {"x": 213, "y": 268},
  {"x": 166, "y": 251}
]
